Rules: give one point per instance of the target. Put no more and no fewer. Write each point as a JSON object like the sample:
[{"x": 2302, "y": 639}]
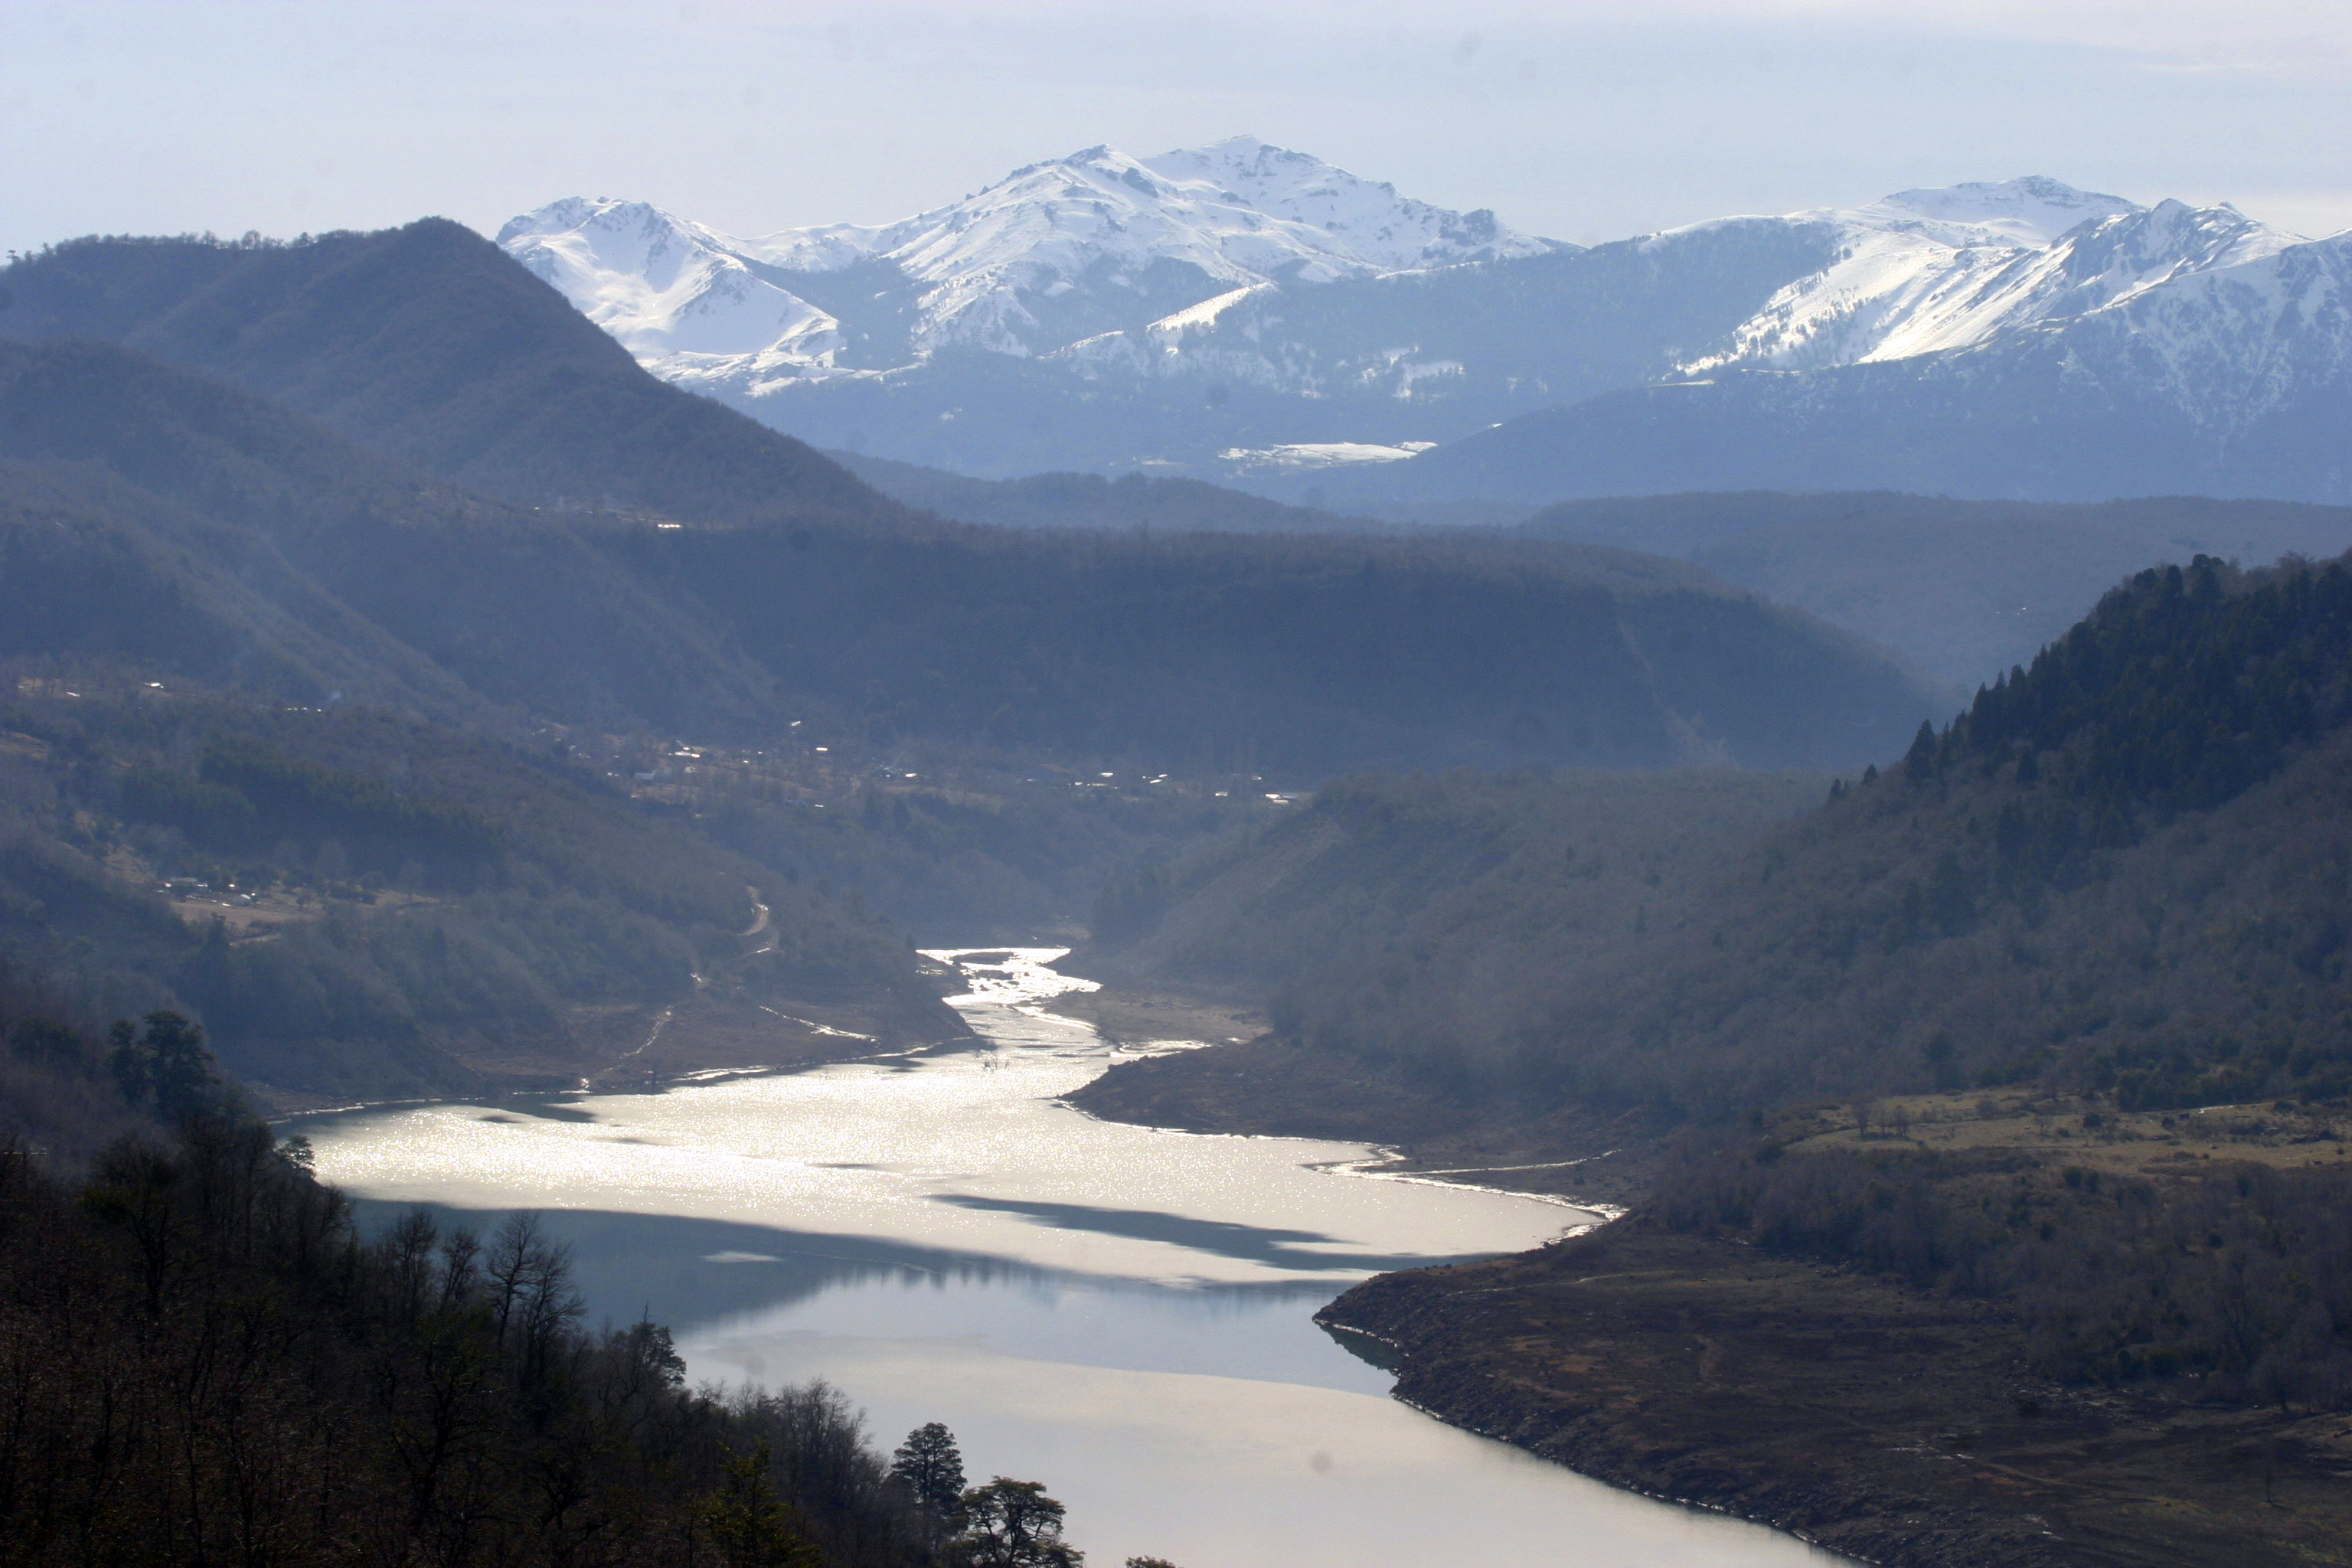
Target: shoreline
[
  {"x": 691, "y": 1076},
  {"x": 1857, "y": 1415},
  {"x": 1871, "y": 1420}
]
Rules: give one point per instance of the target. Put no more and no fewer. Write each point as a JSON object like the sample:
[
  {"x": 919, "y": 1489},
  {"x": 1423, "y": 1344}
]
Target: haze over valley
[{"x": 1189, "y": 861}]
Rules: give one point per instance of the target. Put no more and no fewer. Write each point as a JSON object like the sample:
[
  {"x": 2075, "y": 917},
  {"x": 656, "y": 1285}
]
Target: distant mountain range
[
  {"x": 1247, "y": 313},
  {"x": 1054, "y": 254},
  {"x": 782, "y": 582}
]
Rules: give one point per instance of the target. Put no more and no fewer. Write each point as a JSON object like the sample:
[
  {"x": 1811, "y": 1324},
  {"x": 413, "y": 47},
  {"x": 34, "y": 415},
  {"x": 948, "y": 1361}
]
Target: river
[{"x": 1122, "y": 1313}]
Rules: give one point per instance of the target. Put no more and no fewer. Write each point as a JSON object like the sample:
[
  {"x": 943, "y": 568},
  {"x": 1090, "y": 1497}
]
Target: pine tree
[
  {"x": 929, "y": 1464},
  {"x": 747, "y": 1520},
  {"x": 1919, "y": 762}
]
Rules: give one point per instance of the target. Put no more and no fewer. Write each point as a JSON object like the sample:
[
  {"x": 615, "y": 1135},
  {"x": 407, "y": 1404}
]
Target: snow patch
[{"x": 1299, "y": 456}]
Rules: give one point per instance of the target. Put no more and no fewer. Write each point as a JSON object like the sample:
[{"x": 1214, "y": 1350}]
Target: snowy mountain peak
[
  {"x": 672, "y": 292},
  {"x": 2034, "y": 210},
  {"x": 1054, "y": 252},
  {"x": 1246, "y": 265},
  {"x": 1393, "y": 232},
  {"x": 1926, "y": 271},
  {"x": 2172, "y": 237}
]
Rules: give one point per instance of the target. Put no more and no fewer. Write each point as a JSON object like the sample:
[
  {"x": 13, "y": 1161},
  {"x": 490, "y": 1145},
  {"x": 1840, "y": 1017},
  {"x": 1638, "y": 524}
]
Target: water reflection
[
  {"x": 710, "y": 1279},
  {"x": 1124, "y": 1312}
]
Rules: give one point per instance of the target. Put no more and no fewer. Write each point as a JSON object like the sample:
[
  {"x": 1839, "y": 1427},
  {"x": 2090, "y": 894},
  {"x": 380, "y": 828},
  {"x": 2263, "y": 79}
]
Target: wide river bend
[{"x": 1122, "y": 1313}]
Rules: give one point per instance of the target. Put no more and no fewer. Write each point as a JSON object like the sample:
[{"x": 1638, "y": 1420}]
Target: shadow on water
[
  {"x": 684, "y": 1272},
  {"x": 1254, "y": 1244},
  {"x": 693, "y": 1274},
  {"x": 1364, "y": 1347}
]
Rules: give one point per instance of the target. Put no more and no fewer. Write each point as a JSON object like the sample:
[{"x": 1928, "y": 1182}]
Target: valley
[{"x": 1679, "y": 840}]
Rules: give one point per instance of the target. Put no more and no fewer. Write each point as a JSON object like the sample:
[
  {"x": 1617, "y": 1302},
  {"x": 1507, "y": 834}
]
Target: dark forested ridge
[
  {"x": 266, "y": 534},
  {"x": 1304, "y": 654},
  {"x": 2121, "y": 871},
  {"x": 1963, "y": 588},
  {"x": 428, "y": 344},
  {"x": 1296, "y": 656},
  {"x": 1092, "y": 501}
]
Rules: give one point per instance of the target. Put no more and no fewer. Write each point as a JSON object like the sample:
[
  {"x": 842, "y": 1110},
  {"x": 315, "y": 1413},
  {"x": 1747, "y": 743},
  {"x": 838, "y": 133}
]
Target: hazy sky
[{"x": 1582, "y": 120}]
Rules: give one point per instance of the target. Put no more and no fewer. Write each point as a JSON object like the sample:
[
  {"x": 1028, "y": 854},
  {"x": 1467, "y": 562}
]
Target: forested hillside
[
  {"x": 1377, "y": 863},
  {"x": 1091, "y": 501},
  {"x": 360, "y": 904},
  {"x": 427, "y": 344},
  {"x": 259, "y": 528},
  {"x": 204, "y": 1360},
  {"x": 1963, "y": 588},
  {"x": 2037, "y": 1039},
  {"x": 1190, "y": 651},
  {"x": 1296, "y": 657},
  {"x": 2123, "y": 869}
]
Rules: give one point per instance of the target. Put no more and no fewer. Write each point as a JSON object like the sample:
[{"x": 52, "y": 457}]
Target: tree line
[{"x": 2231, "y": 1284}]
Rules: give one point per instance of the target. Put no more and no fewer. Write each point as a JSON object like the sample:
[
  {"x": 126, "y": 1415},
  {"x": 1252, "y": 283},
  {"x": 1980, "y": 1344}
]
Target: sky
[{"x": 1581, "y": 120}]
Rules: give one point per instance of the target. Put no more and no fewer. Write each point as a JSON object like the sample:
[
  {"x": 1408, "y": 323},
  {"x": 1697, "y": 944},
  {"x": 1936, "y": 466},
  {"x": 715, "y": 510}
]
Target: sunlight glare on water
[
  {"x": 1123, "y": 1312},
  {"x": 970, "y": 1150}
]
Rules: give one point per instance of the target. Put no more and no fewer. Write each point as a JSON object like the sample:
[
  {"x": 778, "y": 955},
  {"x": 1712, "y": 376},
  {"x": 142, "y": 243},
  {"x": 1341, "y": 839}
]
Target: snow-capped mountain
[
  {"x": 2230, "y": 378},
  {"x": 1925, "y": 271},
  {"x": 1377, "y": 228},
  {"x": 1053, "y": 253},
  {"x": 1918, "y": 272},
  {"x": 1198, "y": 310},
  {"x": 676, "y": 294}
]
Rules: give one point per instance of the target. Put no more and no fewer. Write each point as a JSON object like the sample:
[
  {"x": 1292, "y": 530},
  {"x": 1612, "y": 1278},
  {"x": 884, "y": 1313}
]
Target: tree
[
  {"x": 182, "y": 1069},
  {"x": 1014, "y": 1524},
  {"x": 930, "y": 1464},
  {"x": 1949, "y": 901},
  {"x": 1919, "y": 761},
  {"x": 747, "y": 1520},
  {"x": 47, "y": 1040},
  {"x": 166, "y": 1068}
]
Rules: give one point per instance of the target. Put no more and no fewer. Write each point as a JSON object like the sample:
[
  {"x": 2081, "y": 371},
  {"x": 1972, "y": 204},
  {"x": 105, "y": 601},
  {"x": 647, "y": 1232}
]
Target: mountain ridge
[
  {"x": 1289, "y": 654},
  {"x": 1016, "y": 331},
  {"x": 425, "y": 343},
  {"x": 701, "y": 306}
]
